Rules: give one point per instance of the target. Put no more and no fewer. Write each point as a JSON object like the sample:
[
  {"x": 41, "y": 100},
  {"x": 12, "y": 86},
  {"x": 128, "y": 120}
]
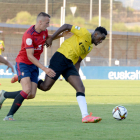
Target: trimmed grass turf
[{"x": 55, "y": 115}]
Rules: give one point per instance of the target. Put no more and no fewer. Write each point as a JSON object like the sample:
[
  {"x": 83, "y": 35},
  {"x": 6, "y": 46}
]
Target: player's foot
[
  {"x": 91, "y": 119},
  {"x": 14, "y": 79},
  {"x": 2, "y": 98},
  {"x": 9, "y": 118}
]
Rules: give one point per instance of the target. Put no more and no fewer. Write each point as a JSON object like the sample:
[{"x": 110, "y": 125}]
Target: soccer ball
[{"x": 119, "y": 113}]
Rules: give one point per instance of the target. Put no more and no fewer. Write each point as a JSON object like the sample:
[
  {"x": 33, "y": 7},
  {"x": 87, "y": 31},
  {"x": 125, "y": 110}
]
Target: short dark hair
[
  {"x": 101, "y": 30},
  {"x": 43, "y": 14}
]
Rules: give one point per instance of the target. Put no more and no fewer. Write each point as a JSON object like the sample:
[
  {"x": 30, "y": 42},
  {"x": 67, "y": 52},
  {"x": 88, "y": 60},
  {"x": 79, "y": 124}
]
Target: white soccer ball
[{"x": 119, "y": 113}]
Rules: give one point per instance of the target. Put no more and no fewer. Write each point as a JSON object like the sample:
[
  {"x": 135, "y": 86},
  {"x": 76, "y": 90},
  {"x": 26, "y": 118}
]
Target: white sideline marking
[
  {"x": 57, "y": 100},
  {"x": 87, "y": 102}
]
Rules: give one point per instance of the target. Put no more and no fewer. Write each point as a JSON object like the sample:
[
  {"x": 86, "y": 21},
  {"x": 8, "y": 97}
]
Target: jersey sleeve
[
  {"x": 78, "y": 30},
  {"x": 28, "y": 41},
  {"x": 84, "y": 55}
]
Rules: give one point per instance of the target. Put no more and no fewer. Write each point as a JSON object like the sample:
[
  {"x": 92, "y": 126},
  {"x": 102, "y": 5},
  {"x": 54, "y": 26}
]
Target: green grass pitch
[{"x": 55, "y": 115}]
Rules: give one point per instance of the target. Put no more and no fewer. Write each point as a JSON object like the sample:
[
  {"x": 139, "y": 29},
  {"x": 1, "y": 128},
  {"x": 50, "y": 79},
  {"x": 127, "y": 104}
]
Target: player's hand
[
  {"x": 49, "y": 42},
  {"x": 10, "y": 66},
  {"x": 49, "y": 72}
]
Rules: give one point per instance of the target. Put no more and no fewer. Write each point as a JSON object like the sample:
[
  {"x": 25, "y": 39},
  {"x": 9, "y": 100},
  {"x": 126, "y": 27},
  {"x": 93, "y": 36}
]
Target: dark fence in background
[{"x": 125, "y": 45}]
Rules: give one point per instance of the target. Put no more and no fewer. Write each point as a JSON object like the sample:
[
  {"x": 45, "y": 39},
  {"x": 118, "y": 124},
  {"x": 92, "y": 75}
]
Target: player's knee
[
  {"x": 27, "y": 90},
  {"x": 81, "y": 89},
  {"x": 46, "y": 88},
  {"x": 31, "y": 96}
]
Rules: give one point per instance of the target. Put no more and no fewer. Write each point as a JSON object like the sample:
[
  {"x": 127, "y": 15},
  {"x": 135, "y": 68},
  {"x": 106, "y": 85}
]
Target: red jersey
[{"x": 32, "y": 39}]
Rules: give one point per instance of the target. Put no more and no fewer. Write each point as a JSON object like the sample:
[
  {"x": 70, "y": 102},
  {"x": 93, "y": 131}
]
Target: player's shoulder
[
  {"x": 30, "y": 30},
  {"x": 80, "y": 29},
  {"x": 86, "y": 31}
]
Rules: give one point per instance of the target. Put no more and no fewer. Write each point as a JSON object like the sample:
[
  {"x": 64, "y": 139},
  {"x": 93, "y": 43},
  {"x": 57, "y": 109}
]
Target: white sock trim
[{"x": 83, "y": 105}]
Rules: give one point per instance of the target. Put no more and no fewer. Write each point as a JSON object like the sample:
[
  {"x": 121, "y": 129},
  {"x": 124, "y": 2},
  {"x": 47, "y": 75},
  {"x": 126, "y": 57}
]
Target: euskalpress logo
[{"x": 124, "y": 75}]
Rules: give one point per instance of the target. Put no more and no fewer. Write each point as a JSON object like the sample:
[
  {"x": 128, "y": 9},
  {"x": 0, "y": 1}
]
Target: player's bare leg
[
  {"x": 11, "y": 95},
  {"x": 32, "y": 94},
  {"x": 77, "y": 83},
  {"x": 26, "y": 89},
  {"x": 46, "y": 84}
]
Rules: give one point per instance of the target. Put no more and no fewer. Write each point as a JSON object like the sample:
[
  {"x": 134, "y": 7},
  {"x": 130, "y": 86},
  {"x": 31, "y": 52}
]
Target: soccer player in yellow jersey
[
  {"x": 2, "y": 46},
  {"x": 2, "y": 60},
  {"x": 67, "y": 59}
]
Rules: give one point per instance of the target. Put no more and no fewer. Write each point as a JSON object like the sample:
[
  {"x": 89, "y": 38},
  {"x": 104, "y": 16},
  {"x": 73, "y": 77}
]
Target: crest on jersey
[
  {"x": 29, "y": 41},
  {"x": 39, "y": 46},
  {"x": 77, "y": 27},
  {"x": 89, "y": 48},
  {"x": 22, "y": 73},
  {"x": 43, "y": 36}
]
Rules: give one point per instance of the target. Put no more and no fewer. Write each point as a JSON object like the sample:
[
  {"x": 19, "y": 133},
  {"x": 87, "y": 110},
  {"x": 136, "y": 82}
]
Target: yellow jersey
[
  {"x": 78, "y": 45},
  {"x": 1, "y": 44}
]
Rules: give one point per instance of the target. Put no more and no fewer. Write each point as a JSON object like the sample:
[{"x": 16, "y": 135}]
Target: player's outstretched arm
[
  {"x": 31, "y": 57},
  {"x": 77, "y": 65},
  {"x": 60, "y": 35},
  {"x": 60, "y": 30},
  {"x": 4, "y": 61},
  {"x": 65, "y": 33}
]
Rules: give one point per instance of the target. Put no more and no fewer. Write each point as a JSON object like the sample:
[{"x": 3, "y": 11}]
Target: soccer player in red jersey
[
  {"x": 27, "y": 63},
  {"x": 67, "y": 59}
]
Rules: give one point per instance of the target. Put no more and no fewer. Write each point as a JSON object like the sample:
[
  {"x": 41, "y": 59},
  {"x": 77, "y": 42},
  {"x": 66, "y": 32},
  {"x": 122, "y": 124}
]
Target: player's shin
[
  {"x": 17, "y": 102},
  {"x": 82, "y": 103}
]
